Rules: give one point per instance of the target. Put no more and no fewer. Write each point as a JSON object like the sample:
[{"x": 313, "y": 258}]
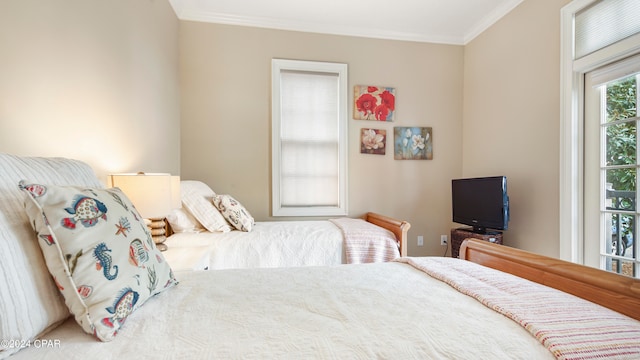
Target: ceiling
[{"x": 438, "y": 21}]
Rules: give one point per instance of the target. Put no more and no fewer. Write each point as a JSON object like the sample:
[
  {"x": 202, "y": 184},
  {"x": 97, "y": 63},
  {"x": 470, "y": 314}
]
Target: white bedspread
[
  {"x": 365, "y": 311},
  {"x": 270, "y": 244}
]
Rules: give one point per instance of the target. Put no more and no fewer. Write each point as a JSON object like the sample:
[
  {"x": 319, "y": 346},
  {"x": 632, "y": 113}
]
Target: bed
[
  {"x": 479, "y": 306},
  {"x": 232, "y": 239}
]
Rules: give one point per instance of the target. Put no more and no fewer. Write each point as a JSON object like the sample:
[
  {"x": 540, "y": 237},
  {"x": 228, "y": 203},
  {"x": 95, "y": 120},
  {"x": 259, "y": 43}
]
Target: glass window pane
[
  {"x": 310, "y": 158},
  {"x": 310, "y": 191},
  {"x": 622, "y": 267},
  {"x": 621, "y": 99},
  {"x": 309, "y": 104},
  {"x": 621, "y": 179},
  {"x": 621, "y": 237},
  {"x": 621, "y": 144}
]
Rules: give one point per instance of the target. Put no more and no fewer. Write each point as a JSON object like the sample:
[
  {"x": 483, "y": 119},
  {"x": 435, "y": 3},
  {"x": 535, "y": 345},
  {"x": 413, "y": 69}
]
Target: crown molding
[
  {"x": 191, "y": 14},
  {"x": 490, "y": 19}
]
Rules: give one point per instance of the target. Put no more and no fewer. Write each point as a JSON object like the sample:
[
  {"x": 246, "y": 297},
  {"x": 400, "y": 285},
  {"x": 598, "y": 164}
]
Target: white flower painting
[
  {"x": 373, "y": 141},
  {"x": 413, "y": 143}
]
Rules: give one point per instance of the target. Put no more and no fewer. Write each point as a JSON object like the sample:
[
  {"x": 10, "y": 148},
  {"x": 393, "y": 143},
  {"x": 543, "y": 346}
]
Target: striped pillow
[
  {"x": 197, "y": 199},
  {"x": 30, "y": 303}
]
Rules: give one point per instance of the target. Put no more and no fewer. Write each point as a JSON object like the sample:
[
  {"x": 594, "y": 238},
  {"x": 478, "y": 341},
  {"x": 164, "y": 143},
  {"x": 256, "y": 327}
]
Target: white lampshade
[{"x": 150, "y": 193}]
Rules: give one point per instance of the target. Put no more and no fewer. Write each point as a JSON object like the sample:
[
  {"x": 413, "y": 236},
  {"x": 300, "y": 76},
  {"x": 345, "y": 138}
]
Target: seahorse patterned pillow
[
  {"x": 99, "y": 252},
  {"x": 234, "y": 212}
]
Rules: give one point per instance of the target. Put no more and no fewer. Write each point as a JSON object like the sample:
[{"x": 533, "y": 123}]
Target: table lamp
[{"x": 154, "y": 195}]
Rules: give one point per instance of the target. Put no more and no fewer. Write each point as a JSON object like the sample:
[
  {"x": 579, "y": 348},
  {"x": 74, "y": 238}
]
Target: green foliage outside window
[
  {"x": 621, "y": 151},
  {"x": 621, "y": 138}
]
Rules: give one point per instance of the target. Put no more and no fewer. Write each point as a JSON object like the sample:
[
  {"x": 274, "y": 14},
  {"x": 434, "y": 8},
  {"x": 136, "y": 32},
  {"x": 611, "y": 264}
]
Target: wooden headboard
[{"x": 616, "y": 292}]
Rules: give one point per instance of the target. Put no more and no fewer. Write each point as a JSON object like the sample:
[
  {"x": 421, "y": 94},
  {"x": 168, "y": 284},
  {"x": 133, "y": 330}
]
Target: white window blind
[
  {"x": 309, "y": 138},
  {"x": 604, "y": 23}
]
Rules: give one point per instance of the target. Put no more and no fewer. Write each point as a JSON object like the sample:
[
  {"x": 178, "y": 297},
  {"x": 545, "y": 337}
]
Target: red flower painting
[
  {"x": 366, "y": 103},
  {"x": 381, "y": 112},
  {"x": 388, "y": 100},
  {"x": 374, "y": 103}
]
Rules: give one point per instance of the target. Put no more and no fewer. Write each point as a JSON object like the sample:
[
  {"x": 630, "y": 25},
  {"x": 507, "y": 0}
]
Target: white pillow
[
  {"x": 30, "y": 303},
  {"x": 197, "y": 199},
  {"x": 98, "y": 251},
  {"x": 234, "y": 212},
  {"x": 182, "y": 221},
  {"x": 196, "y": 187}
]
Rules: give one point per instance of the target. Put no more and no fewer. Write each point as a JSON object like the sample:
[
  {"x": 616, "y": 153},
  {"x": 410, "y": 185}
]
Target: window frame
[
  {"x": 572, "y": 82},
  {"x": 599, "y": 229},
  {"x": 340, "y": 69}
]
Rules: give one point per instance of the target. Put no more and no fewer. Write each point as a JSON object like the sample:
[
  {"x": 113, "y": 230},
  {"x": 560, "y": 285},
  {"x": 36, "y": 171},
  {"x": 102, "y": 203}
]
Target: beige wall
[
  {"x": 225, "y": 88},
  {"x": 98, "y": 81},
  {"x": 512, "y": 118},
  {"x": 91, "y": 79}
]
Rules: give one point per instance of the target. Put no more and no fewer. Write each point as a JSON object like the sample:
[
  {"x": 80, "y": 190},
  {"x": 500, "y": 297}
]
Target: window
[
  {"x": 596, "y": 217},
  {"x": 309, "y": 138},
  {"x": 611, "y": 166}
]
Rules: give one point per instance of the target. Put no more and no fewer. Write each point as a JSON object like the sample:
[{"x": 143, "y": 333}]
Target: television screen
[{"x": 482, "y": 203}]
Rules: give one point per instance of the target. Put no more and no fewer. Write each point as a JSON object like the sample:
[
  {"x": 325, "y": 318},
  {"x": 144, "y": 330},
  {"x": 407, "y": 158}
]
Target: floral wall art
[
  {"x": 374, "y": 103},
  {"x": 412, "y": 143},
  {"x": 373, "y": 141}
]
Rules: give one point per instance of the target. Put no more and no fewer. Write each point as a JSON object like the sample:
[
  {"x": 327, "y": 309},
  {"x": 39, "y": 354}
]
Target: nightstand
[
  {"x": 187, "y": 258},
  {"x": 458, "y": 235}
]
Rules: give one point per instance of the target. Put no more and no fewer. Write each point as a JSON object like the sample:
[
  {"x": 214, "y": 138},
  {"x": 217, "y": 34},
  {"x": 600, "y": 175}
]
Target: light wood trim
[
  {"x": 616, "y": 292},
  {"x": 399, "y": 228}
]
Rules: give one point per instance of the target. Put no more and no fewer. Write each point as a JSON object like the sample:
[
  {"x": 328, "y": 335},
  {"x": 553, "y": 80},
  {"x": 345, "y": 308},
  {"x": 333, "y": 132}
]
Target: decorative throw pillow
[
  {"x": 196, "y": 198},
  {"x": 99, "y": 252},
  {"x": 234, "y": 212}
]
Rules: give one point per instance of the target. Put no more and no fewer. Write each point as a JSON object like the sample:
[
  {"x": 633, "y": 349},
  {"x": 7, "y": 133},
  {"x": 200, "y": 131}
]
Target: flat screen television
[{"x": 481, "y": 202}]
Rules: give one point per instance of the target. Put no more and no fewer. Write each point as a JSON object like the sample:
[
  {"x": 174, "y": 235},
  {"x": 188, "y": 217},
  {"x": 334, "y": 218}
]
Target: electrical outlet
[
  {"x": 420, "y": 240},
  {"x": 443, "y": 240}
]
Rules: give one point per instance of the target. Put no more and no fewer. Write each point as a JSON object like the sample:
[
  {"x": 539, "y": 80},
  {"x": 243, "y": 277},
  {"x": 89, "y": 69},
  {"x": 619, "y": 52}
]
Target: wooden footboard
[
  {"x": 398, "y": 227},
  {"x": 616, "y": 292}
]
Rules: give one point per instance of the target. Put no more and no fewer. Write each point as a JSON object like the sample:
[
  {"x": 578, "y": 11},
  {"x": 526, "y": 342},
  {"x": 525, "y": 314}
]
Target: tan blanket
[
  {"x": 570, "y": 327},
  {"x": 365, "y": 242}
]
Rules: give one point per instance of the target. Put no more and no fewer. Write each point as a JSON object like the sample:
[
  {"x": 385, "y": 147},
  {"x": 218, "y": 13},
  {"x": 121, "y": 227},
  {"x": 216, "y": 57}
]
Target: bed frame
[
  {"x": 399, "y": 228},
  {"x": 616, "y": 292}
]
